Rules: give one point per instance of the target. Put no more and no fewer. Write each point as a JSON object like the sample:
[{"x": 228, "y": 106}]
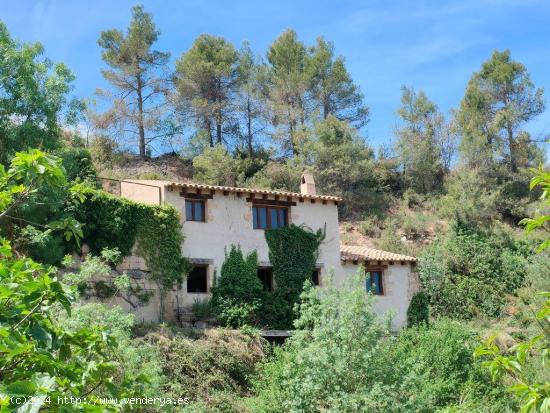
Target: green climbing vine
[
  {"x": 293, "y": 252},
  {"x": 155, "y": 230}
]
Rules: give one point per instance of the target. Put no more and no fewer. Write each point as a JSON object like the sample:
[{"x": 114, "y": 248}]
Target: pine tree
[
  {"x": 499, "y": 100},
  {"x": 206, "y": 80},
  {"x": 139, "y": 80}
]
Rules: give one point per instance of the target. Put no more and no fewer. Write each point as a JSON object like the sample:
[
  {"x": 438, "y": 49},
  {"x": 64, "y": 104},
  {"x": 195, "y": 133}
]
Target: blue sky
[{"x": 430, "y": 45}]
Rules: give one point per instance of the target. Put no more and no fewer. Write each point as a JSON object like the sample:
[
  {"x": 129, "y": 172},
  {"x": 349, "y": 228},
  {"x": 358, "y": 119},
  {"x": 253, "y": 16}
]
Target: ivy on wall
[
  {"x": 114, "y": 222},
  {"x": 293, "y": 252}
]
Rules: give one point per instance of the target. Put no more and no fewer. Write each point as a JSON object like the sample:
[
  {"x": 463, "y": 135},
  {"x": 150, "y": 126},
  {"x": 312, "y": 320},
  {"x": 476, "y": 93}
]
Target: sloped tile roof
[
  {"x": 362, "y": 253},
  {"x": 242, "y": 190}
]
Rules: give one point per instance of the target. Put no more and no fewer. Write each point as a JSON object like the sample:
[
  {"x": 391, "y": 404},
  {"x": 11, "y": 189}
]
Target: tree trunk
[
  {"x": 208, "y": 128},
  {"x": 512, "y": 146},
  {"x": 218, "y": 132},
  {"x": 249, "y": 127},
  {"x": 141, "y": 128},
  {"x": 218, "y": 126}
]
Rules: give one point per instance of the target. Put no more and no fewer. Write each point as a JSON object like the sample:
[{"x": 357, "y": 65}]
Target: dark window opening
[
  {"x": 315, "y": 277},
  {"x": 266, "y": 277},
  {"x": 197, "y": 280},
  {"x": 374, "y": 282},
  {"x": 194, "y": 210},
  {"x": 267, "y": 217}
]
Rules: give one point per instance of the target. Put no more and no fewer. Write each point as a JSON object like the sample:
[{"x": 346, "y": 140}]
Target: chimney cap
[
  {"x": 307, "y": 184},
  {"x": 307, "y": 178}
]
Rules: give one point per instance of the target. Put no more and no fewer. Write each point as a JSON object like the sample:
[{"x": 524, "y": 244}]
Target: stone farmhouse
[{"x": 215, "y": 217}]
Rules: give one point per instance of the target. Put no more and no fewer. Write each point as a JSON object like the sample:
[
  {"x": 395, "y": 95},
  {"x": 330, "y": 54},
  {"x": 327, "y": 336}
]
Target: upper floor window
[
  {"x": 267, "y": 217},
  {"x": 374, "y": 282},
  {"x": 194, "y": 210}
]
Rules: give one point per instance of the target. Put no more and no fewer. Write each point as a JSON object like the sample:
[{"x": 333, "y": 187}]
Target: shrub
[
  {"x": 323, "y": 366},
  {"x": 238, "y": 290},
  {"x": 469, "y": 272},
  {"x": 434, "y": 368},
  {"x": 202, "y": 309},
  {"x": 418, "y": 312},
  {"x": 236, "y": 314},
  {"x": 219, "y": 361},
  {"x": 370, "y": 227},
  {"x": 390, "y": 240},
  {"x": 78, "y": 165}
]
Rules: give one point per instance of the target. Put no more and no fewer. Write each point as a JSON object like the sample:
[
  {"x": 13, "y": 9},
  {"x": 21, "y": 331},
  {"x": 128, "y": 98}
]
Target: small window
[
  {"x": 266, "y": 277},
  {"x": 194, "y": 210},
  {"x": 374, "y": 282},
  {"x": 315, "y": 277},
  {"x": 197, "y": 280},
  {"x": 267, "y": 217}
]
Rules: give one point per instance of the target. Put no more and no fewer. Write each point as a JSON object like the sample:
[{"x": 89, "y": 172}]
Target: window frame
[
  {"x": 379, "y": 270},
  {"x": 205, "y": 266},
  {"x": 194, "y": 203},
  {"x": 268, "y": 208}
]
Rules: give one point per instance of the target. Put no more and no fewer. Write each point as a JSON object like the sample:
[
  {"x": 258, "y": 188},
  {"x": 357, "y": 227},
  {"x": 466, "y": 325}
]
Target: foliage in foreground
[
  {"x": 213, "y": 370},
  {"x": 42, "y": 359},
  {"x": 526, "y": 364},
  {"x": 342, "y": 359}
]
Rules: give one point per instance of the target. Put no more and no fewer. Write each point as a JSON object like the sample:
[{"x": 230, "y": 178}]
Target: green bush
[
  {"x": 418, "y": 312},
  {"x": 78, "y": 165},
  {"x": 326, "y": 362},
  {"x": 342, "y": 359},
  {"x": 433, "y": 368},
  {"x": 370, "y": 227},
  {"x": 235, "y": 314},
  {"x": 470, "y": 273},
  {"x": 238, "y": 290}
]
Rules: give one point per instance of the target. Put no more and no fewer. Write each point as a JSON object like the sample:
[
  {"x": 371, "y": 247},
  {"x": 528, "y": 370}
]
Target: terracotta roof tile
[
  {"x": 359, "y": 252},
  {"x": 251, "y": 190}
]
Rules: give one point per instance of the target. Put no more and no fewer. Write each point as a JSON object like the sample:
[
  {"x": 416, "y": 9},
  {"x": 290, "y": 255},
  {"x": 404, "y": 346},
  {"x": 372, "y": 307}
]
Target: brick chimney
[{"x": 307, "y": 184}]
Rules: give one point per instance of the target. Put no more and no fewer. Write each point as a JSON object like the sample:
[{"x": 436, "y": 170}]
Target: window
[
  {"x": 374, "y": 282},
  {"x": 197, "y": 280},
  {"x": 194, "y": 210},
  {"x": 266, "y": 277},
  {"x": 267, "y": 217},
  {"x": 315, "y": 277}
]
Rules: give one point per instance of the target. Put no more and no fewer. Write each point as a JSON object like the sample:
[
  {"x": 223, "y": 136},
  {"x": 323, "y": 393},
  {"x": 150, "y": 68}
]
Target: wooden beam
[
  {"x": 225, "y": 193},
  {"x": 193, "y": 195},
  {"x": 258, "y": 201}
]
